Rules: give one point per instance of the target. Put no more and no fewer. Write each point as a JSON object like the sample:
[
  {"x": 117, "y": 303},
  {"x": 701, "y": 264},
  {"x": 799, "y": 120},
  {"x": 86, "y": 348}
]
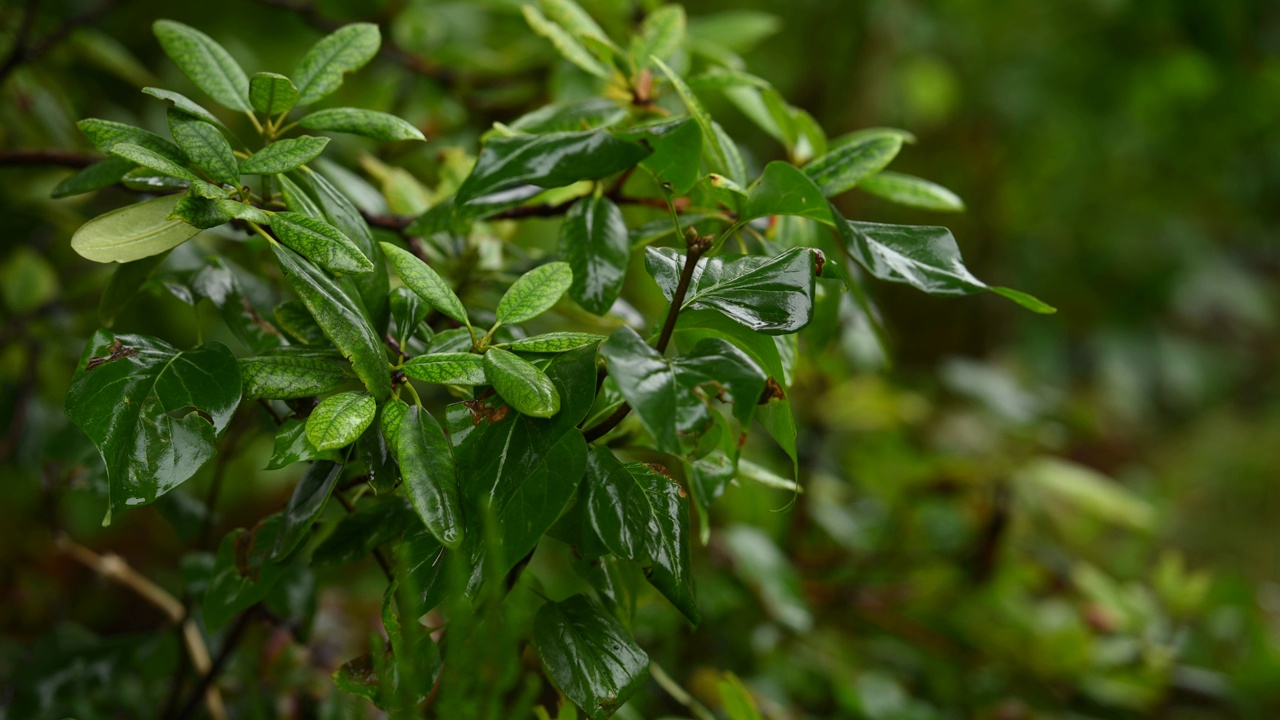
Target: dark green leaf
[
  {"x": 272, "y": 93},
  {"x": 785, "y": 190},
  {"x": 305, "y": 505},
  {"x": 218, "y": 283},
  {"x": 186, "y": 105},
  {"x": 133, "y": 232},
  {"x": 340, "y": 318},
  {"x": 912, "y": 191},
  {"x": 206, "y": 63},
  {"x": 153, "y": 411},
  {"x": 770, "y": 295},
  {"x": 847, "y": 164},
  {"x": 105, "y": 135},
  {"x": 589, "y": 655},
  {"x": 293, "y": 317},
  {"x": 340, "y": 419},
  {"x": 206, "y": 147},
  {"x": 340, "y": 212},
  {"x": 448, "y": 368},
  {"x": 677, "y": 152},
  {"x": 534, "y": 293},
  {"x": 242, "y": 573},
  {"x": 554, "y": 342},
  {"x": 426, "y": 283},
  {"x": 292, "y": 372},
  {"x": 724, "y": 155},
  {"x": 146, "y": 180},
  {"x": 547, "y": 161},
  {"x": 526, "y": 388},
  {"x": 376, "y": 521},
  {"x": 430, "y": 475},
  {"x": 283, "y": 155},
  {"x": 124, "y": 285},
  {"x": 408, "y": 310},
  {"x": 151, "y": 159},
  {"x": 346, "y": 50},
  {"x": 101, "y": 174},
  {"x": 244, "y": 211},
  {"x": 585, "y": 115},
  {"x": 376, "y": 125},
  {"x": 594, "y": 241},
  {"x": 375, "y": 449},
  {"x": 199, "y": 213},
  {"x": 319, "y": 242},
  {"x": 292, "y": 445}
]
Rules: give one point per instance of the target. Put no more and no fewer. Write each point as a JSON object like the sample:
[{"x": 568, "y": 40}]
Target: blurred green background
[{"x": 1024, "y": 516}]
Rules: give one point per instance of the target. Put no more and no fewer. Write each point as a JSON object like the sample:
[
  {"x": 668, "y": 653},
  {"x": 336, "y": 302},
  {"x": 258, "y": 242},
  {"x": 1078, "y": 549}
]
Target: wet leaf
[
  {"x": 376, "y": 125},
  {"x": 554, "y": 342},
  {"x": 594, "y": 241},
  {"x": 448, "y": 368},
  {"x": 292, "y": 372},
  {"x": 425, "y": 282},
  {"x": 206, "y": 147},
  {"x": 848, "y": 163},
  {"x": 526, "y": 388},
  {"x": 430, "y": 475},
  {"x": 283, "y": 155},
  {"x": 305, "y": 505},
  {"x": 546, "y": 161},
  {"x": 339, "y": 419},
  {"x": 589, "y": 655},
  {"x": 320, "y": 242},
  {"x": 534, "y": 293},
  {"x": 206, "y": 63}
]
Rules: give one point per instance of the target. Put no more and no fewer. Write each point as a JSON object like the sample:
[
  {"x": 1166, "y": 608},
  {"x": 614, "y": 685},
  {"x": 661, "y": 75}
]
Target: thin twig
[
  {"x": 207, "y": 678},
  {"x": 35, "y": 157},
  {"x": 22, "y": 53},
  {"x": 377, "y": 554}
]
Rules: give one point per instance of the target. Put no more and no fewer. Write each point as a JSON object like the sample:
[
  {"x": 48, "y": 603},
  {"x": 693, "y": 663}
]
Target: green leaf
[
  {"x": 534, "y": 293},
  {"x": 447, "y": 368},
  {"x": 244, "y": 211},
  {"x": 339, "y": 419},
  {"x": 124, "y": 285},
  {"x": 736, "y": 30},
  {"x": 670, "y": 396},
  {"x": 526, "y": 388},
  {"x": 570, "y": 47},
  {"x": 292, "y": 445},
  {"x": 847, "y": 164},
  {"x": 661, "y": 35},
  {"x": 133, "y": 232},
  {"x": 103, "y": 173},
  {"x": 322, "y": 69},
  {"x": 925, "y": 257},
  {"x": 643, "y": 515},
  {"x": 153, "y": 411},
  {"x": 912, "y": 191},
  {"x": 293, "y": 317},
  {"x": 374, "y": 448},
  {"x": 430, "y": 475},
  {"x": 677, "y": 152},
  {"x": 376, "y": 521},
  {"x": 564, "y": 117},
  {"x": 763, "y": 566},
  {"x": 426, "y": 283},
  {"x": 146, "y": 180},
  {"x": 272, "y": 94},
  {"x": 340, "y": 318},
  {"x": 320, "y": 242},
  {"x": 369, "y": 123},
  {"x": 283, "y": 155},
  {"x": 305, "y": 505},
  {"x": 770, "y": 295},
  {"x": 206, "y": 147},
  {"x": 340, "y": 212},
  {"x": 292, "y": 372},
  {"x": 723, "y": 153},
  {"x": 547, "y": 161},
  {"x": 737, "y": 700},
  {"x": 390, "y": 417},
  {"x": 151, "y": 159},
  {"x": 784, "y": 190},
  {"x": 199, "y": 212},
  {"x": 594, "y": 241},
  {"x": 105, "y": 135},
  {"x": 408, "y": 311},
  {"x": 187, "y": 105},
  {"x": 218, "y": 283},
  {"x": 206, "y": 63},
  {"x": 555, "y": 342},
  {"x": 589, "y": 655},
  {"x": 242, "y": 573}
]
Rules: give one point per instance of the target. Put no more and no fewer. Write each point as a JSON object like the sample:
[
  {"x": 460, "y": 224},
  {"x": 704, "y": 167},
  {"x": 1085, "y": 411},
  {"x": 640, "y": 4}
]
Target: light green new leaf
[
  {"x": 447, "y": 369},
  {"x": 283, "y": 155},
  {"x": 570, "y": 47},
  {"x": 151, "y": 159},
  {"x": 554, "y": 342},
  {"x": 848, "y": 163},
  {"x": 292, "y": 372},
  {"x": 525, "y": 388},
  {"x": 339, "y": 419},
  {"x": 206, "y": 147},
  {"x": 320, "y": 242},
  {"x": 661, "y": 35},
  {"x": 292, "y": 445},
  {"x": 186, "y": 105},
  {"x": 133, "y": 232},
  {"x": 424, "y": 281},
  {"x": 589, "y": 655},
  {"x": 106, "y": 134},
  {"x": 784, "y": 190},
  {"x": 534, "y": 293},
  {"x": 206, "y": 63},
  {"x": 322, "y": 69},
  {"x": 272, "y": 93},
  {"x": 724, "y": 155},
  {"x": 369, "y": 123},
  {"x": 912, "y": 191},
  {"x": 430, "y": 474}
]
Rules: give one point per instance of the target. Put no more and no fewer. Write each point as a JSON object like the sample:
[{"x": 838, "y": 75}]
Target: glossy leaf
[
  {"x": 218, "y": 283},
  {"x": 534, "y": 293},
  {"x": 847, "y": 164},
  {"x": 292, "y": 445},
  {"x": 369, "y": 123},
  {"x": 206, "y": 63},
  {"x": 547, "y": 161},
  {"x": 770, "y": 295},
  {"x": 375, "y": 449},
  {"x": 283, "y": 155},
  {"x": 677, "y": 152},
  {"x": 153, "y": 411},
  {"x": 206, "y": 147},
  {"x": 199, "y": 213},
  {"x": 784, "y": 190},
  {"x": 186, "y": 105},
  {"x": 293, "y": 317},
  {"x": 106, "y": 134},
  {"x": 347, "y": 49},
  {"x": 563, "y": 117},
  {"x": 339, "y": 419},
  {"x": 292, "y": 372},
  {"x": 425, "y": 282},
  {"x": 340, "y": 212},
  {"x": 320, "y": 243},
  {"x": 554, "y": 342},
  {"x": 643, "y": 515},
  {"x": 430, "y": 475},
  {"x": 526, "y": 388},
  {"x": 103, "y": 173},
  {"x": 146, "y": 180},
  {"x": 912, "y": 191},
  {"x": 589, "y": 655},
  {"x": 124, "y": 285},
  {"x": 151, "y": 159},
  {"x": 448, "y": 368},
  {"x": 304, "y": 506},
  {"x": 376, "y": 522},
  {"x": 242, "y": 573},
  {"x": 272, "y": 93},
  {"x": 724, "y": 155},
  {"x": 133, "y": 232},
  {"x": 594, "y": 241}
]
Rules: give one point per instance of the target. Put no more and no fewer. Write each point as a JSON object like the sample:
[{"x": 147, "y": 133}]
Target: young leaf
[
  {"x": 206, "y": 147},
  {"x": 376, "y": 125},
  {"x": 430, "y": 475},
  {"x": 320, "y": 243},
  {"x": 272, "y": 93},
  {"x": 447, "y": 368},
  {"x": 105, "y": 134},
  {"x": 339, "y": 419},
  {"x": 426, "y": 283},
  {"x": 151, "y": 159},
  {"x": 770, "y": 295},
  {"x": 547, "y": 161},
  {"x": 912, "y": 191},
  {"x": 206, "y": 63},
  {"x": 570, "y": 47},
  {"x": 305, "y": 505},
  {"x": 292, "y": 372},
  {"x": 153, "y": 411},
  {"x": 187, "y": 105},
  {"x": 133, "y": 232},
  {"x": 594, "y": 241},
  {"x": 346, "y": 50},
  {"x": 847, "y": 164},
  {"x": 341, "y": 319},
  {"x": 555, "y": 342},
  {"x": 283, "y": 155},
  {"x": 589, "y": 655},
  {"x": 534, "y": 293},
  {"x": 101, "y": 174},
  {"x": 661, "y": 35},
  {"x": 784, "y": 190},
  {"x": 292, "y": 445},
  {"x": 526, "y": 388}
]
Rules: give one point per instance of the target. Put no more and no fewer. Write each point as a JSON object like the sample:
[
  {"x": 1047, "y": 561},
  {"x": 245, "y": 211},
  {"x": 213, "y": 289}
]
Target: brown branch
[
  {"x": 22, "y": 53},
  {"x": 62, "y": 158},
  {"x": 377, "y": 554}
]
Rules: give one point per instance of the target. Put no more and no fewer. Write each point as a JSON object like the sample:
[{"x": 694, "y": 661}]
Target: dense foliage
[{"x": 603, "y": 396}]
